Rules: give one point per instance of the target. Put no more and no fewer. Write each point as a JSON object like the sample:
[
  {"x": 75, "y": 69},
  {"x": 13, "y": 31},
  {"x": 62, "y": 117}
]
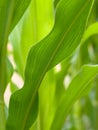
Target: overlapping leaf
[
  {"x": 5, "y": 22},
  {"x": 34, "y": 25},
  {"x": 19, "y": 9},
  {"x": 75, "y": 90},
  {"x": 10, "y": 14},
  {"x": 70, "y": 22},
  {"x": 92, "y": 30}
]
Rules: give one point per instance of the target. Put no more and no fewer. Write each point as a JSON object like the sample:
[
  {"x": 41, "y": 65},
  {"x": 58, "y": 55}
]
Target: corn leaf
[
  {"x": 70, "y": 21},
  {"x": 10, "y": 14},
  {"x": 92, "y": 30},
  {"x": 34, "y": 25},
  {"x": 19, "y": 9},
  {"x": 5, "y": 22},
  {"x": 75, "y": 91}
]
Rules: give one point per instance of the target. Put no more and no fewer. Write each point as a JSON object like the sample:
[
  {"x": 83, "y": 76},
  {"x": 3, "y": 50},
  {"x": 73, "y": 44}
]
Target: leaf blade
[
  {"x": 76, "y": 90},
  {"x": 47, "y": 58}
]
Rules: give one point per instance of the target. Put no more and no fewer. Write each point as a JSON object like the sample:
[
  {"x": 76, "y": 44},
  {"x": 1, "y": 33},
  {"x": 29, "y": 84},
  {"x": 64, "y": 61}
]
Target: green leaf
[
  {"x": 10, "y": 14},
  {"x": 70, "y": 22},
  {"x": 47, "y": 100},
  {"x": 75, "y": 91},
  {"x": 92, "y": 30},
  {"x": 34, "y": 25},
  {"x": 19, "y": 9},
  {"x": 6, "y": 12},
  {"x": 50, "y": 93}
]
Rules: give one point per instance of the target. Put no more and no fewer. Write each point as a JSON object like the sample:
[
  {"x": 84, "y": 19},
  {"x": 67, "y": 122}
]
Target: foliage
[{"x": 54, "y": 47}]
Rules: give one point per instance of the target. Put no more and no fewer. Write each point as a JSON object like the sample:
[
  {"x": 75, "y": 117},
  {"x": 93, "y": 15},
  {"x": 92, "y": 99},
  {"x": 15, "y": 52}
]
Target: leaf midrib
[{"x": 48, "y": 64}]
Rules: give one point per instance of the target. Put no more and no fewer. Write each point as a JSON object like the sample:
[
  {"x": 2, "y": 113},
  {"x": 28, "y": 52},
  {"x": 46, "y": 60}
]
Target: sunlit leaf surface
[{"x": 70, "y": 22}]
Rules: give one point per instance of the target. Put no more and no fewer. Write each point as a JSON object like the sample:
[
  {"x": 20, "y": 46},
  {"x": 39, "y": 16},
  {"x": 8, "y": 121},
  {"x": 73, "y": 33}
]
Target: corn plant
[{"x": 54, "y": 50}]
